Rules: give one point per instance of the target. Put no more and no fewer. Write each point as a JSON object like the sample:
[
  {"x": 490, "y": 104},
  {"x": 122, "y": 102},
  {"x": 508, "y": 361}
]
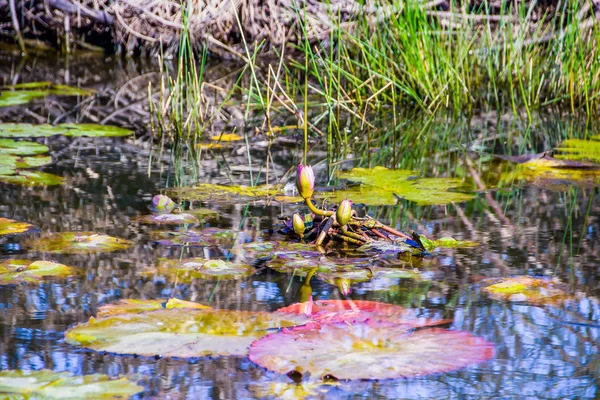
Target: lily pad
[
  {"x": 132, "y": 306},
  {"x": 24, "y": 93},
  {"x": 187, "y": 270},
  {"x": 580, "y": 150},
  {"x": 12, "y": 227},
  {"x": 227, "y": 137},
  {"x": 32, "y": 178},
  {"x": 368, "y": 351},
  {"x": 75, "y": 130},
  {"x": 179, "y": 332},
  {"x": 46, "y": 384},
  {"x": 32, "y": 162},
  {"x": 19, "y": 271},
  {"x": 191, "y": 238},
  {"x": 382, "y": 186},
  {"x": 79, "y": 243},
  {"x": 446, "y": 242},
  {"x": 207, "y": 192},
  {"x": 526, "y": 289},
  {"x": 168, "y": 219},
  {"x": 21, "y": 147}
]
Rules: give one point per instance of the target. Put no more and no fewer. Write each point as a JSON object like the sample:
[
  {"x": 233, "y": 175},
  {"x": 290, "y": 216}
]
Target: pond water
[{"x": 536, "y": 227}]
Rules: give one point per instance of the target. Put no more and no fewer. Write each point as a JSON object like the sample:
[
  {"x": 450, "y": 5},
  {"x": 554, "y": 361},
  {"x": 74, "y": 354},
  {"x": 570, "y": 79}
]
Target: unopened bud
[
  {"x": 298, "y": 225},
  {"x": 344, "y": 212},
  {"x": 305, "y": 181}
]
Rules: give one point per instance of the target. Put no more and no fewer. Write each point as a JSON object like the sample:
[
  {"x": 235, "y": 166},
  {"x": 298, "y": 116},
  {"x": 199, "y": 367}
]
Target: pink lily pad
[{"x": 366, "y": 351}]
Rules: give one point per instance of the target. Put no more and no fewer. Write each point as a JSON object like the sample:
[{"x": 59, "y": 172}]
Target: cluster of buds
[{"x": 305, "y": 182}]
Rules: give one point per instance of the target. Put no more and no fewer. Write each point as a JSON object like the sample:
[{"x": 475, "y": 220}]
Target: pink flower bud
[
  {"x": 344, "y": 212},
  {"x": 305, "y": 181},
  {"x": 298, "y": 225}
]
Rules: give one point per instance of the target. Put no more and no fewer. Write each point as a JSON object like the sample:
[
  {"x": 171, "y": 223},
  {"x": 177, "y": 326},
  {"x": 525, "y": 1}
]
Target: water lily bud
[
  {"x": 162, "y": 204},
  {"x": 343, "y": 285},
  {"x": 305, "y": 181},
  {"x": 344, "y": 212},
  {"x": 298, "y": 225}
]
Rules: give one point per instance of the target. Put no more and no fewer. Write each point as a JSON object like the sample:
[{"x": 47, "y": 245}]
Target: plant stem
[{"x": 315, "y": 210}]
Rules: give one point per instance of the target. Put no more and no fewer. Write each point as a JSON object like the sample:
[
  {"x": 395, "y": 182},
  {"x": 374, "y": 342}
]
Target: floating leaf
[
  {"x": 32, "y": 178},
  {"x": 209, "y": 146},
  {"x": 132, "y": 306},
  {"x": 527, "y": 289},
  {"x": 21, "y": 147},
  {"x": 226, "y": 137},
  {"x": 15, "y": 98},
  {"x": 75, "y": 130},
  {"x": 446, "y": 242},
  {"x": 208, "y": 192},
  {"x": 18, "y": 271},
  {"x": 254, "y": 250},
  {"x": 382, "y": 186},
  {"x": 368, "y": 351},
  {"x": 203, "y": 213},
  {"x": 168, "y": 219},
  {"x": 79, "y": 243},
  {"x": 12, "y": 227},
  {"x": 357, "y": 311},
  {"x": 46, "y": 384},
  {"x": 187, "y": 270},
  {"x": 203, "y": 238},
  {"x": 23, "y": 93},
  {"x": 578, "y": 149},
  {"x": 179, "y": 332},
  {"x": 32, "y": 162}
]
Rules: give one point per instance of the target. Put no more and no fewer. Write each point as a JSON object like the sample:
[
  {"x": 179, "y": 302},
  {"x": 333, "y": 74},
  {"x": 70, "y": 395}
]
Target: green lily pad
[
  {"x": 24, "y": 93},
  {"x": 203, "y": 213},
  {"x": 12, "y": 227},
  {"x": 368, "y": 351},
  {"x": 33, "y": 161},
  {"x": 21, "y": 147},
  {"x": 167, "y": 219},
  {"x": 526, "y": 289},
  {"x": 132, "y": 306},
  {"x": 19, "y": 271},
  {"x": 179, "y": 332},
  {"x": 187, "y": 270},
  {"x": 79, "y": 243},
  {"x": 74, "y": 130},
  {"x": 207, "y": 192},
  {"x": 382, "y": 186},
  {"x": 204, "y": 238},
  {"x": 46, "y": 384},
  {"x": 446, "y": 242},
  {"x": 32, "y": 178}
]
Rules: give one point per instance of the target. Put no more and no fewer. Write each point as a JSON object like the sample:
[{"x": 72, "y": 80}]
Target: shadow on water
[{"x": 523, "y": 228}]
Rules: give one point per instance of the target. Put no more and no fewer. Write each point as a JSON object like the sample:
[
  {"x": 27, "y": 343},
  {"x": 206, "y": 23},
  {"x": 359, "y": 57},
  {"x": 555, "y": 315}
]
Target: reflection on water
[{"x": 542, "y": 351}]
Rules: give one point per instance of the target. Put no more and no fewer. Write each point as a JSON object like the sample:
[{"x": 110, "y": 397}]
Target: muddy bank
[{"x": 229, "y": 29}]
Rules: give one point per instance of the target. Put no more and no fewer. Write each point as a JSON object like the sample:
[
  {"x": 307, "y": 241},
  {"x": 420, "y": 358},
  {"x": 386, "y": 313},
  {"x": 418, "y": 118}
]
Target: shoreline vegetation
[{"x": 326, "y": 69}]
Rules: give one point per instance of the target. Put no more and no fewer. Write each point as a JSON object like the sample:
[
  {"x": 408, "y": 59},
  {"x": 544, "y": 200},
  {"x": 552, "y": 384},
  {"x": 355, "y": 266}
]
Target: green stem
[
  {"x": 353, "y": 235},
  {"x": 315, "y": 210}
]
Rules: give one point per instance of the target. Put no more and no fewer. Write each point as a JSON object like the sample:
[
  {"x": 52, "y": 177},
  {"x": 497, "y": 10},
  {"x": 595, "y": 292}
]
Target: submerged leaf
[
  {"x": 12, "y": 227},
  {"x": 79, "y": 243},
  {"x": 368, "y": 351},
  {"x": 179, "y": 332},
  {"x": 526, "y": 289},
  {"x": 168, "y": 219},
  {"x": 126, "y": 306},
  {"x": 46, "y": 384},
  {"x": 191, "y": 238},
  {"x": 187, "y": 270},
  {"x": 75, "y": 130},
  {"x": 382, "y": 186},
  {"x": 18, "y": 271}
]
